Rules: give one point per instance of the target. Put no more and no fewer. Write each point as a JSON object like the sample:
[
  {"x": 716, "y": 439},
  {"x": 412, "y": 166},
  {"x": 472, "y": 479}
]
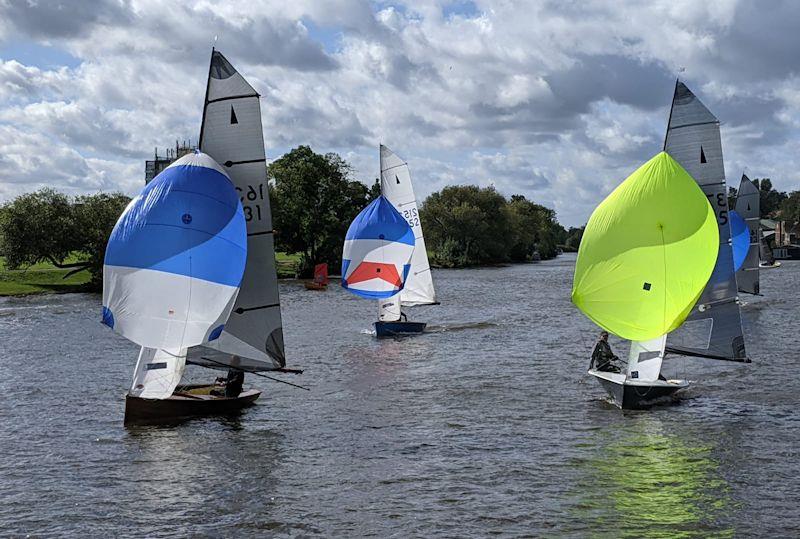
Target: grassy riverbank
[
  {"x": 47, "y": 279},
  {"x": 39, "y": 279}
]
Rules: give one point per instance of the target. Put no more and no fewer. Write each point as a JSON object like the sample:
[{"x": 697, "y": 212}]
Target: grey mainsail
[
  {"x": 231, "y": 133},
  {"x": 714, "y": 328},
  {"x": 748, "y": 206},
  {"x": 766, "y": 255}
]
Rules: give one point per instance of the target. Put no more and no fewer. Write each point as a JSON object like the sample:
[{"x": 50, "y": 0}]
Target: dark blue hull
[{"x": 390, "y": 329}]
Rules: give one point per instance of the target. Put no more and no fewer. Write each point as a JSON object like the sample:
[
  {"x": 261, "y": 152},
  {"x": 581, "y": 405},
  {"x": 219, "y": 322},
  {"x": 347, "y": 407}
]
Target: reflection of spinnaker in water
[{"x": 646, "y": 482}]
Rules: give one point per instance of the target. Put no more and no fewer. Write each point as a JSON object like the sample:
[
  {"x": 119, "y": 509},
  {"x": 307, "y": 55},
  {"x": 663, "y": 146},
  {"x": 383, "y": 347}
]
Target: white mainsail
[
  {"x": 389, "y": 309},
  {"x": 158, "y": 373},
  {"x": 232, "y": 134},
  {"x": 645, "y": 358},
  {"x": 397, "y": 188}
]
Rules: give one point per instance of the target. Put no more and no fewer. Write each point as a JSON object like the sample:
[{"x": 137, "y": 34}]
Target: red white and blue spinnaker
[{"x": 377, "y": 251}]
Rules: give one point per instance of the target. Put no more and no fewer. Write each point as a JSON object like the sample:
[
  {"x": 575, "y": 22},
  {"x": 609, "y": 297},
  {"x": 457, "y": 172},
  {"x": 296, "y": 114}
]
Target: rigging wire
[{"x": 252, "y": 371}]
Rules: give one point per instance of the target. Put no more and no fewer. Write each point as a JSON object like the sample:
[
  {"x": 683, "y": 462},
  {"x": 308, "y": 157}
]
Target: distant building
[
  {"x": 787, "y": 240},
  {"x": 153, "y": 168}
]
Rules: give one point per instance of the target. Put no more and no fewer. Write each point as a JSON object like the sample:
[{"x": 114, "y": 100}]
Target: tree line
[{"x": 314, "y": 197}]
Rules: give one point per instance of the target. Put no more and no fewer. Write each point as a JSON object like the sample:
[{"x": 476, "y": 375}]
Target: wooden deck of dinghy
[{"x": 187, "y": 401}]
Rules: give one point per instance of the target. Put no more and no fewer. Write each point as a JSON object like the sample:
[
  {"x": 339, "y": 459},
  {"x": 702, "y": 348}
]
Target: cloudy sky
[{"x": 558, "y": 100}]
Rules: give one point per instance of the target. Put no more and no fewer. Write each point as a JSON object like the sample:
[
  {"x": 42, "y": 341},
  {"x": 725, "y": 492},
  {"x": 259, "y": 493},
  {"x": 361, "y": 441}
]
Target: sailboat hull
[
  {"x": 391, "y": 329},
  {"x": 187, "y": 401},
  {"x": 631, "y": 394},
  {"x": 311, "y": 285}
]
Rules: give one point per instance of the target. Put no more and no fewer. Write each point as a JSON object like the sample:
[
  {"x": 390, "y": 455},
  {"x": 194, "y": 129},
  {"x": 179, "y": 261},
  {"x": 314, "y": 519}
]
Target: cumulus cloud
[{"x": 553, "y": 100}]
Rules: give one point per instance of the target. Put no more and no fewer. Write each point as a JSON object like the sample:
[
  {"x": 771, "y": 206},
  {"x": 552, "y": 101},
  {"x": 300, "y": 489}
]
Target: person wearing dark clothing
[
  {"x": 234, "y": 383},
  {"x": 602, "y": 356}
]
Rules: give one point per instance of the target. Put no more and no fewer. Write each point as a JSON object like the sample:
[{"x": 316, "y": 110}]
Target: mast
[
  {"x": 232, "y": 134},
  {"x": 714, "y": 328}
]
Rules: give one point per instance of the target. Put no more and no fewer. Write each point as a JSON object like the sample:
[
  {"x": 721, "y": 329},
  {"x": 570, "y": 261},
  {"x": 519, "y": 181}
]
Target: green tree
[
  {"x": 94, "y": 218},
  {"x": 574, "y": 236},
  {"x": 770, "y": 198},
  {"x": 790, "y": 207},
  {"x": 467, "y": 225},
  {"x": 533, "y": 229},
  {"x": 314, "y": 201},
  {"x": 47, "y": 226}
]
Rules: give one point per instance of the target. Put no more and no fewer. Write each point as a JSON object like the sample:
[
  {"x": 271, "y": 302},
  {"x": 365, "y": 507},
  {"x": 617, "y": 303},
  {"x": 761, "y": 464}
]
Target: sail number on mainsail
[
  {"x": 252, "y": 194},
  {"x": 722, "y": 207}
]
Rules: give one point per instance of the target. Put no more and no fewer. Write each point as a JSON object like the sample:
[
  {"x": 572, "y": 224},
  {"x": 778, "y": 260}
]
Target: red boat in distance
[{"x": 320, "y": 281}]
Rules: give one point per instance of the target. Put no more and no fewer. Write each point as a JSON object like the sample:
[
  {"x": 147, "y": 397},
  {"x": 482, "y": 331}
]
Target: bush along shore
[{"x": 51, "y": 242}]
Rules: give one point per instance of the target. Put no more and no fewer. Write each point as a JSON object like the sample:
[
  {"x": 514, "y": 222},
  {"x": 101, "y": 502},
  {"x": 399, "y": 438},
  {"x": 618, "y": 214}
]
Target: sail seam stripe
[
  {"x": 228, "y": 98},
  {"x": 692, "y": 125},
  {"x": 260, "y": 233},
  {"x": 209, "y": 234}
]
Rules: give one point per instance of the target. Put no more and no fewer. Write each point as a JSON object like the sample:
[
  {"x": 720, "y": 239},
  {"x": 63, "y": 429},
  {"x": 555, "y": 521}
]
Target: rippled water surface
[{"x": 486, "y": 425}]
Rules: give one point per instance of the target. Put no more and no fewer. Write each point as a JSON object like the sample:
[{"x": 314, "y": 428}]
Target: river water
[{"x": 486, "y": 425}]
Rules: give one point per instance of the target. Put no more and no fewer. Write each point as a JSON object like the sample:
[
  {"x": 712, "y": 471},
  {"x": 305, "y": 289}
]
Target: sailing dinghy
[
  {"x": 713, "y": 330},
  {"x": 418, "y": 289},
  {"x": 320, "y": 281},
  {"x": 645, "y": 257},
  {"x": 748, "y": 203},
  {"x": 747, "y": 255},
  {"x": 376, "y": 259},
  {"x": 249, "y": 335}
]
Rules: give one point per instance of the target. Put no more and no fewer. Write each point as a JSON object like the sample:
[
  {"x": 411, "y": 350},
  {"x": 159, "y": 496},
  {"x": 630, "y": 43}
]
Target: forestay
[
  {"x": 647, "y": 252},
  {"x": 397, "y": 188},
  {"x": 232, "y": 134},
  {"x": 714, "y": 328},
  {"x": 376, "y": 258},
  {"x": 175, "y": 258},
  {"x": 748, "y": 206}
]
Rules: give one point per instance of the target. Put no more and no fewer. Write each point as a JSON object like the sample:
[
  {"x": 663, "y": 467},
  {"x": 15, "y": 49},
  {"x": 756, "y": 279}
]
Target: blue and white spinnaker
[
  {"x": 740, "y": 239},
  {"x": 377, "y": 251},
  {"x": 176, "y": 256}
]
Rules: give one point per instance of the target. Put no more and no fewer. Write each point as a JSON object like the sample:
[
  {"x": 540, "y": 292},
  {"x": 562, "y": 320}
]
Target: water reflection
[
  {"x": 645, "y": 481},
  {"x": 222, "y": 465}
]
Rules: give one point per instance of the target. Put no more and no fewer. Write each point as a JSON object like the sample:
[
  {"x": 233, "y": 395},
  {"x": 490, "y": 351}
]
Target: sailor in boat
[
  {"x": 603, "y": 357},
  {"x": 232, "y": 384}
]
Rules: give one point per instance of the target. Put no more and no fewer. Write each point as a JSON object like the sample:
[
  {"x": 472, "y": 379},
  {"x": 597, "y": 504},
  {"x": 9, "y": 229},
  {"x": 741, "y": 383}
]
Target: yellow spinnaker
[{"x": 647, "y": 252}]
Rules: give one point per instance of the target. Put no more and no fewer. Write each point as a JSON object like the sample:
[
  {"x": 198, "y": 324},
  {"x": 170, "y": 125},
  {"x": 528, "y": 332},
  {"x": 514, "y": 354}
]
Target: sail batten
[
  {"x": 397, "y": 187},
  {"x": 693, "y": 140},
  {"x": 231, "y": 133}
]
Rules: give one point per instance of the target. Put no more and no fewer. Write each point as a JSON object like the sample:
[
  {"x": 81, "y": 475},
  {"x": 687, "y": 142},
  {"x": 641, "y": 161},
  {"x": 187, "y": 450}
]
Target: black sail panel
[
  {"x": 714, "y": 327},
  {"x": 232, "y": 134},
  {"x": 748, "y": 206}
]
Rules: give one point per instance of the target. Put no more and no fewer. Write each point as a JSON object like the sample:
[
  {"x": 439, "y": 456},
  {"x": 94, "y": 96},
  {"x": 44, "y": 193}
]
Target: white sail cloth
[
  {"x": 389, "y": 309},
  {"x": 397, "y": 188},
  {"x": 645, "y": 358},
  {"x": 158, "y": 373},
  {"x": 175, "y": 258}
]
